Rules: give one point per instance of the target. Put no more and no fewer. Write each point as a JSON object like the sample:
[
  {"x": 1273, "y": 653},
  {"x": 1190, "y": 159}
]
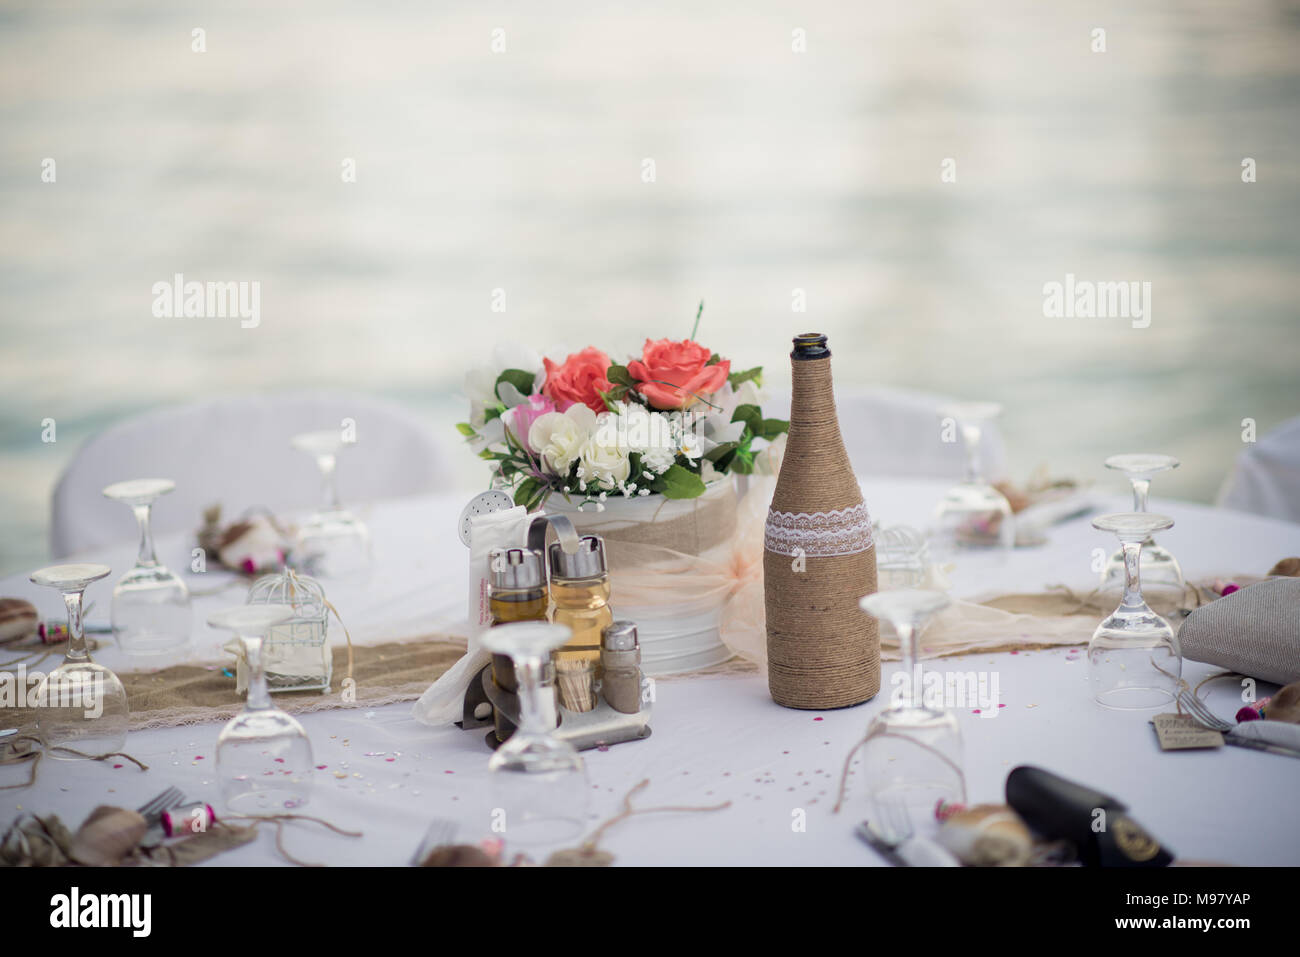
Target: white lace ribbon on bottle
[{"x": 843, "y": 531}]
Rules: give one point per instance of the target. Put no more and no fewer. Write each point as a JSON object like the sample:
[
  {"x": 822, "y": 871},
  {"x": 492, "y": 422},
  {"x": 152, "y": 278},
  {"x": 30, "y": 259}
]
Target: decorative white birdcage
[
  {"x": 902, "y": 557},
  {"x": 296, "y": 653}
]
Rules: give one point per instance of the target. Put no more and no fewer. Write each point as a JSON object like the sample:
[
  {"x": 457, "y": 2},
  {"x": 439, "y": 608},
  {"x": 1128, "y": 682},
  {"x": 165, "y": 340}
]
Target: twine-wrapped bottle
[{"x": 818, "y": 555}]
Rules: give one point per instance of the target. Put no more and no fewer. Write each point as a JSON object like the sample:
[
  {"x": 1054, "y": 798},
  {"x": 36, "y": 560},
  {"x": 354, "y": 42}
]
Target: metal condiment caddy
[{"x": 623, "y": 699}]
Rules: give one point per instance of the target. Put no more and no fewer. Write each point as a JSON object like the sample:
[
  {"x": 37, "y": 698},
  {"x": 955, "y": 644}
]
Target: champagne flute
[
  {"x": 1134, "y": 660},
  {"x": 264, "y": 759},
  {"x": 538, "y": 781},
  {"x": 912, "y": 754},
  {"x": 151, "y": 605},
  {"x": 81, "y": 705},
  {"x": 1159, "y": 568},
  {"x": 333, "y": 543}
]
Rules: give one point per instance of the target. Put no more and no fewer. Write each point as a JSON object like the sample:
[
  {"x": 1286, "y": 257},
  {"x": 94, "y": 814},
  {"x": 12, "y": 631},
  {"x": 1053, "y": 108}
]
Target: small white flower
[
  {"x": 691, "y": 445},
  {"x": 644, "y": 491}
]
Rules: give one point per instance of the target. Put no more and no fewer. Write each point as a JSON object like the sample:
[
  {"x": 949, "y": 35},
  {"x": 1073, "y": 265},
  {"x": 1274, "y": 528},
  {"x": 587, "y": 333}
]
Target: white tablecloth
[{"x": 721, "y": 738}]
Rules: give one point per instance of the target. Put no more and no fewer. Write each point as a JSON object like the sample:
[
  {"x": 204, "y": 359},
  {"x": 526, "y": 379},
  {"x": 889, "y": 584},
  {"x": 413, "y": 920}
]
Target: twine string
[
  {"x": 589, "y": 845},
  {"x": 34, "y": 755},
  {"x": 279, "y": 820}
]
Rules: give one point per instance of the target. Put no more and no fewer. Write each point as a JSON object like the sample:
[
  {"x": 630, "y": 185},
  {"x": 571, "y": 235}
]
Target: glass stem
[
  {"x": 146, "y": 557},
  {"x": 1132, "y": 575},
  {"x": 909, "y": 648},
  {"x": 330, "y": 492},
  {"x": 259, "y": 698},
  {"x": 76, "y": 628},
  {"x": 971, "y": 437},
  {"x": 532, "y": 717},
  {"x": 1140, "y": 489}
]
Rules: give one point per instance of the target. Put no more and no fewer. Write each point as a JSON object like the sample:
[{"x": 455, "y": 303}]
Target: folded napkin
[{"x": 1254, "y": 631}]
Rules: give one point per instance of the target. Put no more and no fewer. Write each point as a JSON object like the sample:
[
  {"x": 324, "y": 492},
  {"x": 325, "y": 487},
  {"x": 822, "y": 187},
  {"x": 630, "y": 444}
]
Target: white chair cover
[
  {"x": 1266, "y": 477},
  {"x": 896, "y": 432},
  {"x": 235, "y": 451}
]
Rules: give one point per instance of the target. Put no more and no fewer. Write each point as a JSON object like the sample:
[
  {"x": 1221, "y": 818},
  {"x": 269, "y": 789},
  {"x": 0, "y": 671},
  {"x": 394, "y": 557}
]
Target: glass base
[
  {"x": 151, "y": 612},
  {"x": 262, "y": 800},
  {"x": 911, "y": 762},
  {"x": 82, "y": 706},
  {"x": 973, "y": 517}
]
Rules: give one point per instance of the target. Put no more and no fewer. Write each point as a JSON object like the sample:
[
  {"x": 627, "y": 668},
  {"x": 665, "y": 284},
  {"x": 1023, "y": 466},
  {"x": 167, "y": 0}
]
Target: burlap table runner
[{"x": 196, "y": 693}]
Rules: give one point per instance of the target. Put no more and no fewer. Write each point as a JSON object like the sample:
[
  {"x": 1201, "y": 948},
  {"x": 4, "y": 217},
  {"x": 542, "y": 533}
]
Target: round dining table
[{"x": 717, "y": 739}]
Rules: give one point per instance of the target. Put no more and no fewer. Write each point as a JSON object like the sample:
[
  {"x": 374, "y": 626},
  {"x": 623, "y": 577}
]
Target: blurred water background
[{"x": 775, "y": 170}]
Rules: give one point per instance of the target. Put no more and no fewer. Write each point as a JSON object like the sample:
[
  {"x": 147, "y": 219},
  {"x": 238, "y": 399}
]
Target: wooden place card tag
[{"x": 1179, "y": 732}]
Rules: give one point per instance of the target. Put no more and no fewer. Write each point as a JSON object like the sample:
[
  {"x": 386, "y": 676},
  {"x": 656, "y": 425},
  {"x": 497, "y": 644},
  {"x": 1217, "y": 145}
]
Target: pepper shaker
[{"x": 620, "y": 656}]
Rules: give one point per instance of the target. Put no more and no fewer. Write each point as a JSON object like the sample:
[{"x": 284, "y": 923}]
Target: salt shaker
[{"x": 620, "y": 656}]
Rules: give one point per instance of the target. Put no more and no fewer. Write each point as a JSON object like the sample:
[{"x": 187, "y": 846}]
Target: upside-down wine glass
[
  {"x": 539, "y": 789},
  {"x": 1160, "y": 570},
  {"x": 912, "y": 753},
  {"x": 333, "y": 543},
  {"x": 151, "y": 605},
  {"x": 264, "y": 759},
  {"x": 80, "y": 705},
  {"x": 973, "y": 514},
  {"x": 1134, "y": 660}
]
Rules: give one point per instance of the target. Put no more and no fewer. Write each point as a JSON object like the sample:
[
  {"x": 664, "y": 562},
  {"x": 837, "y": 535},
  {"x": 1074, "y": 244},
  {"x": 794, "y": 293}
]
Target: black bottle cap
[{"x": 810, "y": 345}]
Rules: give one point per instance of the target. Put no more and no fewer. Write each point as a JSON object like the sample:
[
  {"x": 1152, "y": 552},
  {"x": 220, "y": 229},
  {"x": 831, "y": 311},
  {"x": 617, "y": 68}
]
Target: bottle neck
[{"x": 815, "y": 472}]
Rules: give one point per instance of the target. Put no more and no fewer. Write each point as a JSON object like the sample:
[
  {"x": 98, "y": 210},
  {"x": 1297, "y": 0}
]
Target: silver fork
[
  {"x": 152, "y": 811},
  {"x": 1203, "y": 716},
  {"x": 441, "y": 832}
]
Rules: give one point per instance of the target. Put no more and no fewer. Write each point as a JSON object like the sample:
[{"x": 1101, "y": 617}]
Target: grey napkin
[{"x": 1254, "y": 631}]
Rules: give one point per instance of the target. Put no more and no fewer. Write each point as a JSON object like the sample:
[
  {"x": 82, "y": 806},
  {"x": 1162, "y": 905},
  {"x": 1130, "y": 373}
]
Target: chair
[
  {"x": 897, "y": 432},
  {"x": 235, "y": 451},
  {"x": 1265, "y": 479}
]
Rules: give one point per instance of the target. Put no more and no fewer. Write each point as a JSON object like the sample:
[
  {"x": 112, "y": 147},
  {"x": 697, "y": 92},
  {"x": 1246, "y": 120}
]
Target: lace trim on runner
[{"x": 844, "y": 531}]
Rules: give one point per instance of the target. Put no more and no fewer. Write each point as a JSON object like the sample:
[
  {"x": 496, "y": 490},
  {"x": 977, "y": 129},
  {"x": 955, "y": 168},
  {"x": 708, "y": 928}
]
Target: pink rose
[
  {"x": 671, "y": 375},
  {"x": 521, "y": 417},
  {"x": 578, "y": 379}
]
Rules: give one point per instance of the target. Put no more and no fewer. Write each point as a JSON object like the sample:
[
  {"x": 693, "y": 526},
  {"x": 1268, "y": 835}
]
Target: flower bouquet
[
  {"x": 667, "y": 423},
  {"x": 641, "y": 453}
]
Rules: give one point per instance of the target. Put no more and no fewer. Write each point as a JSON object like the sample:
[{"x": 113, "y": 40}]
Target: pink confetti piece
[
  {"x": 117, "y": 765},
  {"x": 817, "y": 719}
]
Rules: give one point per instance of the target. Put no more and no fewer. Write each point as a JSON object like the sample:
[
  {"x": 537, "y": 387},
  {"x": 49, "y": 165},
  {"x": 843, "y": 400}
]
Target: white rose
[
  {"x": 560, "y": 436},
  {"x": 605, "y": 465}
]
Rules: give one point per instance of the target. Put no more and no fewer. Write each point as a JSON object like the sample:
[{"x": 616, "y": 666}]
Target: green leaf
[
  {"x": 751, "y": 415},
  {"x": 716, "y": 453},
  {"x": 714, "y": 360},
  {"x": 618, "y": 375},
  {"x": 608, "y": 399},
  {"x": 465, "y": 429},
  {"x": 493, "y": 412},
  {"x": 679, "y": 482},
  {"x": 521, "y": 380},
  {"x": 772, "y": 428},
  {"x": 526, "y": 490},
  {"x": 754, "y": 375}
]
